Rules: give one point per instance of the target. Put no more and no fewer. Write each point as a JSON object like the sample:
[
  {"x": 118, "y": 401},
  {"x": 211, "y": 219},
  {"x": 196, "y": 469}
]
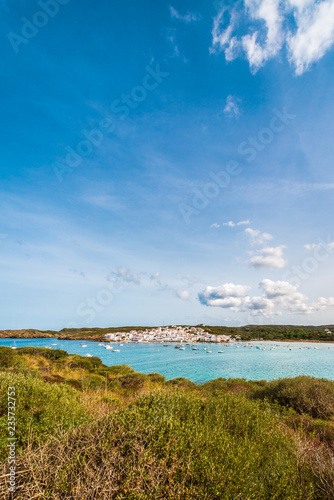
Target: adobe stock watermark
[
  {"x": 121, "y": 107},
  {"x": 321, "y": 252},
  {"x": 31, "y": 27},
  {"x": 249, "y": 148},
  {"x": 96, "y": 304}
]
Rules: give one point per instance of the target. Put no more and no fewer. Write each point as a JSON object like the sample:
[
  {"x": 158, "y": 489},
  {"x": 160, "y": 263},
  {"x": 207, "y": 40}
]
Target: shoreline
[{"x": 108, "y": 341}]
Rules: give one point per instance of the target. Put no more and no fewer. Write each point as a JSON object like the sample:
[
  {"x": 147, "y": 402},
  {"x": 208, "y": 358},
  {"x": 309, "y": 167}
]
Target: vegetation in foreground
[{"x": 90, "y": 431}]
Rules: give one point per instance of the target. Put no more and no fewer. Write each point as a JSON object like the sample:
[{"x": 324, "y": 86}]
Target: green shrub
[
  {"x": 304, "y": 394},
  {"x": 91, "y": 364},
  {"x": 117, "y": 370},
  {"x": 41, "y": 408},
  {"x": 42, "y": 351},
  {"x": 157, "y": 378},
  {"x": 182, "y": 382},
  {"x": 175, "y": 446},
  {"x": 134, "y": 381},
  {"x": 10, "y": 359},
  {"x": 93, "y": 381}
]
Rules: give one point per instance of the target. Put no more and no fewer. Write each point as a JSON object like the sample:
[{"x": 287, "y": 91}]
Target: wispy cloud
[
  {"x": 313, "y": 246},
  {"x": 104, "y": 201},
  {"x": 171, "y": 37},
  {"x": 235, "y": 224},
  {"x": 162, "y": 286},
  {"x": 257, "y": 238},
  {"x": 123, "y": 276},
  {"x": 187, "y": 18}
]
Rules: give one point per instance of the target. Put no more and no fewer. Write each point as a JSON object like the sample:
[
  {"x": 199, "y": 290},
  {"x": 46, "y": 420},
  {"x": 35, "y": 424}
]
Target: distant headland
[{"x": 181, "y": 333}]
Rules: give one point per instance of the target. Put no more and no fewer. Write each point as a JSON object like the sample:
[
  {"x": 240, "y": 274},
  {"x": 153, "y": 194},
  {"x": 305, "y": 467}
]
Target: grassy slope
[{"x": 86, "y": 430}]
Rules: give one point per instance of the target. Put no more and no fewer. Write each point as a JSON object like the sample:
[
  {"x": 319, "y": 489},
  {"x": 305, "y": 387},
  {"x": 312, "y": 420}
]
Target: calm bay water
[{"x": 279, "y": 359}]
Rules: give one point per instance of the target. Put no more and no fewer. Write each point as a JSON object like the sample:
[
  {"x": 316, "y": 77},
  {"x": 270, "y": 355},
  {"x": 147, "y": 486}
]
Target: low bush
[
  {"x": 157, "y": 378},
  {"x": 41, "y": 409},
  {"x": 42, "y": 351},
  {"x": 309, "y": 395},
  {"x": 10, "y": 359},
  {"x": 181, "y": 382},
  {"x": 116, "y": 370},
  {"x": 91, "y": 364},
  {"x": 93, "y": 381},
  {"x": 133, "y": 381},
  {"x": 172, "y": 446}
]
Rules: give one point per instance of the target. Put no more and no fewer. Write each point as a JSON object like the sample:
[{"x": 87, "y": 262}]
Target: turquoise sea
[{"x": 252, "y": 361}]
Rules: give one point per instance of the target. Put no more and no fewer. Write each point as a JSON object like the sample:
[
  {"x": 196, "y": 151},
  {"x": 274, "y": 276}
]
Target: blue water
[{"x": 237, "y": 360}]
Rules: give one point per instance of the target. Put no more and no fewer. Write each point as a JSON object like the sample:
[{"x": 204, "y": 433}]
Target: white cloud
[
  {"x": 183, "y": 294},
  {"x": 277, "y": 297},
  {"x": 234, "y": 224},
  {"x": 258, "y": 238},
  {"x": 155, "y": 276},
  {"x": 232, "y": 109},
  {"x": 186, "y": 18},
  {"x": 274, "y": 289},
  {"x": 271, "y": 257},
  {"x": 259, "y": 305},
  {"x": 314, "y": 35},
  {"x": 267, "y": 11},
  {"x": 268, "y": 29},
  {"x": 215, "y": 224},
  {"x": 228, "y": 295}
]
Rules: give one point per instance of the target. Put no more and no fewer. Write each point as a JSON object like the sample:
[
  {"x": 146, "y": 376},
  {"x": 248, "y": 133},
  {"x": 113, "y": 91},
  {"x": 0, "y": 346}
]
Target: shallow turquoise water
[{"x": 236, "y": 361}]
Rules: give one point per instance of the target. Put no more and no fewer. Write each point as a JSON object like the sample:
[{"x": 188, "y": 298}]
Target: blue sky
[{"x": 166, "y": 162}]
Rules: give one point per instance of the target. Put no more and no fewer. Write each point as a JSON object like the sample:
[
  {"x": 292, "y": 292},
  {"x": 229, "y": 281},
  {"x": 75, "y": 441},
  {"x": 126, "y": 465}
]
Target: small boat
[
  {"x": 54, "y": 344},
  {"x": 195, "y": 348},
  {"x": 121, "y": 345},
  {"x": 182, "y": 348},
  {"x": 109, "y": 347},
  {"x": 88, "y": 355},
  {"x": 177, "y": 347},
  {"x": 165, "y": 345},
  {"x": 209, "y": 351},
  {"x": 83, "y": 345},
  {"x": 101, "y": 345},
  {"x": 116, "y": 350},
  {"x": 220, "y": 351}
]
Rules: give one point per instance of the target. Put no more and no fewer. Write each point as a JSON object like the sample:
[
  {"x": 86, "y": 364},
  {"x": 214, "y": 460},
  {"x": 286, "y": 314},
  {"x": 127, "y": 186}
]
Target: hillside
[
  {"x": 86, "y": 430},
  {"x": 248, "y": 332}
]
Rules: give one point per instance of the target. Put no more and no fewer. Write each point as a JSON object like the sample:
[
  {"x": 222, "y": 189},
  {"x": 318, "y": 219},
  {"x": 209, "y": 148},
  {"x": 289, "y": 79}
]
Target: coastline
[{"x": 42, "y": 335}]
